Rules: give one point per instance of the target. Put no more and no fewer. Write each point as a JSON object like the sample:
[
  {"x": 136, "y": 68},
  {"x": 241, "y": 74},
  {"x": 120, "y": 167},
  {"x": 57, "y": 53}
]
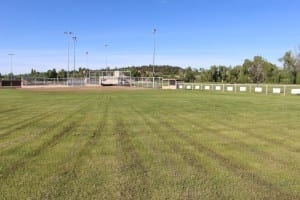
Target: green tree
[
  {"x": 271, "y": 73},
  {"x": 201, "y": 77},
  {"x": 62, "y": 74},
  {"x": 291, "y": 66},
  {"x": 223, "y": 73},
  {"x": 234, "y": 74},
  {"x": 135, "y": 72},
  {"x": 213, "y": 74},
  {"x": 244, "y": 71},
  {"x": 189, "y": 75},
  {"x": 52, "y": 73},
  {"x": 256, "y": 70}
]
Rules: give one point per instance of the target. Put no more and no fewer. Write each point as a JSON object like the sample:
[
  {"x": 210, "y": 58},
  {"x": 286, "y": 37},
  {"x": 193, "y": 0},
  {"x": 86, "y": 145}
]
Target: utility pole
[
  {"x": 68, "y": 33},
  {"x": 87, "y": 59},
  {"x": 75, "y": 40},
  {"x": 154, "y": 49},
  {"x": 106, "y": 45}
]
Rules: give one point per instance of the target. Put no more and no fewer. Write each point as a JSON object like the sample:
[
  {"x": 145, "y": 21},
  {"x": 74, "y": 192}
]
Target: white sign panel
[
  {"x": 295, "y": 91},
  {"x": 218, "y": 88},
  {"x": 207, "y": 87},
  {"x": 258, "y": 89},
  {"x": 276, "y": 90},
  {"x": 188, "y": 87},
  {"x": 180, "y": 86},
  {"x": 230, "y": 88},
  {"x": 197, "y": 87},
  {"x": 243, "y": 89}
]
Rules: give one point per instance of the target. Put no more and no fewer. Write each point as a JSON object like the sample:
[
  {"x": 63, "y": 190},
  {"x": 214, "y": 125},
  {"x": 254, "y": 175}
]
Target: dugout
[{"x": 10, "y": 83}]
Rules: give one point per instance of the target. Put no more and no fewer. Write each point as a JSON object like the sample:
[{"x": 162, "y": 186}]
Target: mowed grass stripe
[
  {"x": 25, "y": 123},
  {"x": 65, "y": 179},
  {"x": 214, "y": 122},
  {"x": 233, "y": 166},
  {"x": 28, "y": 117},
  {"x": 67, "y": 127},
  {"x": 35, "y": 151},
  {"x": 20, "y": 106},
  {"x": 193, "y": 155},
  {"x": 98, "y": 160},
  {"x": 133, "y": 175},
  {"x": 153, "y": 145},
  {"x": 232, "y": 139},
  {"x": 95, "y": 165},
  {"x": 169, "y": 175},
  {"x": 220, "y": 158},
  {"x": 288, "y": 176},
  {"x": 185, "y": 181},
  {"x": 33, "y": 132},
  {"x": 36, "y": 131}
]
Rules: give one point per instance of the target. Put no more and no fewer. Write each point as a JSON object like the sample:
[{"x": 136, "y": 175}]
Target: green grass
[{"x": 148, "y": 145}]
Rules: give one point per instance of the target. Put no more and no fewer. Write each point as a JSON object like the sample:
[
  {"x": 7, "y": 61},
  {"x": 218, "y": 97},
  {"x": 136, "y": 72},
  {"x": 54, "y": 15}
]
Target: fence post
[
  {"x": 235, "y": 88},
  {"x": 266, "y": 89},
  {"x": 284, "y": 89}
]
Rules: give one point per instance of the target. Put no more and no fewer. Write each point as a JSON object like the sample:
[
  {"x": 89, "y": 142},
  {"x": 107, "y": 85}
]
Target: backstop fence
[
  {"x": 52, "y": 82},
  {"x": 142, "y": 82}
]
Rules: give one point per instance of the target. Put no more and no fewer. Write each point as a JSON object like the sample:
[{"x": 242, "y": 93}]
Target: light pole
[
  {"x": 68, "y": 33},
  {"x": 75, "y": 40},
  {"x": 87, "y": 59},
  {"x": 11, "y": 66},
  {"x": 154, "y": 48},
  {"x": 106, "y": 45}
]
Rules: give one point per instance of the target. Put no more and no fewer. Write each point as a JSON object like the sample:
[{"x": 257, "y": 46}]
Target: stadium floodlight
[
  {"x": 75, "y": 40},
  {"x": 11, "y": 65},
  {"x": 87, "y": 59},
  {"x": 106, "y": 45},
  {"x": 154, "y": 48},
  {"x": 68, "y": 33}
]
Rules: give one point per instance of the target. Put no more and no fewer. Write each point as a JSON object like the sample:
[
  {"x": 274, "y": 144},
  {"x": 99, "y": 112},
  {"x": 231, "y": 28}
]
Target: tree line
[{"x": 255, "y": 70}]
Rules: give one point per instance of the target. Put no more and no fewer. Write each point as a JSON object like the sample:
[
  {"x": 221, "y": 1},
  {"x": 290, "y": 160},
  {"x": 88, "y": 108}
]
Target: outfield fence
[
  {"x": 158, "y": 83},
  {"x": 267, "y": 89}
]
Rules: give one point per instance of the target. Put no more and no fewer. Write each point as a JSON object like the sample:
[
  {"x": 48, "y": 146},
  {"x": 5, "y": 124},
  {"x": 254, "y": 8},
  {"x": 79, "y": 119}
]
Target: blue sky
[{"x": 197, "y": 33}]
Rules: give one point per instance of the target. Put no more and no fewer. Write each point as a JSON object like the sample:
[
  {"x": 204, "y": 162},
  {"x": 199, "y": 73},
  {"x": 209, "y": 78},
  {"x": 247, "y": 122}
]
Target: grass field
[{"x": 148, "y": 144}]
